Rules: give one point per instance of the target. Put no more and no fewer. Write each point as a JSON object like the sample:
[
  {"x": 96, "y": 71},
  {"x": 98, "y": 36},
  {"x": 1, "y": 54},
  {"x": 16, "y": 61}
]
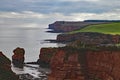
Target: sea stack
[{"x": 18, "y": 57}]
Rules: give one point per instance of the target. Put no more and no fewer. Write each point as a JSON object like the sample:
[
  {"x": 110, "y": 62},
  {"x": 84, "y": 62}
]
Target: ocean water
[
  {"x": 29, "y": 35},
  {"x": 29, "y": 38}
]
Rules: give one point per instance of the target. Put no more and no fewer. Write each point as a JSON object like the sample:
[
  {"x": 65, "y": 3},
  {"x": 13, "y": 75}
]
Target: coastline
[{"x": 75, "y": 55}]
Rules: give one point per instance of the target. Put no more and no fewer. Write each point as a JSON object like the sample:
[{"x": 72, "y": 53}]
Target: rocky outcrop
[
  {"x": 70, "y": 63},
  {"x": 18, "y": 57},
  {"x": 103, "y": 65},
  {"x": 91, "y": 38},
  {"x": 5, "y": 69},
  {"x": 64, "y": 63},
  {"x": 64, "y": 26},
  {"x": 45, "y": 56},
  {"x": 65, "y": 67}
]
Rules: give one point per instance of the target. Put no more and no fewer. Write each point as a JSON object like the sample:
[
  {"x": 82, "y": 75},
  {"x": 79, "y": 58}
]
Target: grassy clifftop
[{"x": 110, "y": 28}]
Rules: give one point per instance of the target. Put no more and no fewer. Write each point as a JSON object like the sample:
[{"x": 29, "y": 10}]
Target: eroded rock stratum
[
  {"x": 83, "y": 64},
  {"x": 5, "y": 69}
]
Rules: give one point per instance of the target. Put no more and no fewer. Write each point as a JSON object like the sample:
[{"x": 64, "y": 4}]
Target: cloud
[
  {"x": 29, "y": 15},
  {"x": 78, "y": 0},
  {"x": 21, "y": 15},
  {"x": 60, "y": 6},
  {"x": 93, "y": 16},
  {"x": 30, "y": 19},
  {"x": 33, "y": 1}
]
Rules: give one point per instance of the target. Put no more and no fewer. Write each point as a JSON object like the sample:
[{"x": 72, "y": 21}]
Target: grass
[{"x": 109, "y": 28}]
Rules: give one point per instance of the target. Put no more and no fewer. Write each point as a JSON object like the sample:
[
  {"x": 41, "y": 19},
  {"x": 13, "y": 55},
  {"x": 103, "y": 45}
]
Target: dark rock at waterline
[
  {"x": 25, "y": 77},
  {"x": 31, "y": 63},
  {"x": 45, "y": 56},
  {"x": 18, "y": 57},
  {"x": 39, "y": 62},
  {"x": 43, "y": 63},
  {"x": 28, "y": 76},
  {"x": 5, "y": 69},
  {"x": 51, "y": 41},
  {"x": 53, "y": 31}
]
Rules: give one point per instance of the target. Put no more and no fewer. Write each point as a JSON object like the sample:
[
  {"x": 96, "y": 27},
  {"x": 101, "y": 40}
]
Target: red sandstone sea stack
[{"x": 18, "y": 57}]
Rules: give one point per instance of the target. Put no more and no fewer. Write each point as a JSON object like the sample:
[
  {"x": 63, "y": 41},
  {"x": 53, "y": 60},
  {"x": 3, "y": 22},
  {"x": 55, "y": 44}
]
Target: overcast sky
[
  {"x": 60, "y": 6},
  {"x": 52, "y": 10}
]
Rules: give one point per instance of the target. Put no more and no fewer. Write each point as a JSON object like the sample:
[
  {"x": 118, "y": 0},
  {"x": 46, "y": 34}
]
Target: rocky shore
[
  {"x": 72, "y": 63},
  {"x": 86, "y": 56},
  {"x": 6, "y": 72}
]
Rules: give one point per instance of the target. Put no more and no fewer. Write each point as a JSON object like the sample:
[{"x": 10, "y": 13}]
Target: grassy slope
[{"x": 110, "y": 28}]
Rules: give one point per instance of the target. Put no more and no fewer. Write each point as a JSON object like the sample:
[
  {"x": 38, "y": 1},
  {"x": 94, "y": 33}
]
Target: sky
[{"x": 47, "y": 11}]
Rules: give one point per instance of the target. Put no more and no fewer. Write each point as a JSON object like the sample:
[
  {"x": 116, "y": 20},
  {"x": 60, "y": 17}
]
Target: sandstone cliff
[
  {"x": 45, "y": 56},
  {"x": 65, "y": 67},
  {"x": 64, "y": 26},
  {"x": 103, "y": 65},
  {"x": 69, "y": 63},
  {"x": 5, "y": 69},
  {"x": 91, "y": 38},
  {"x": 18, "y": 57}
]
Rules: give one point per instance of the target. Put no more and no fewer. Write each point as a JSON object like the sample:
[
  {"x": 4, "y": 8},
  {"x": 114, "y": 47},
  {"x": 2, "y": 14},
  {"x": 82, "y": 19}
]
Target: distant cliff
[
  {"x": 91, "y": 38},
  {"x": 65, "y": 26}
]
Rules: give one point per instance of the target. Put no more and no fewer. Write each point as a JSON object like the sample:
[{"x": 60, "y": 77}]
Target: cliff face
[
  {"x": 5, "y": 69},
  {"x": 18, "y": 57},
  {"x": 45, "y": 56},
  {"x": 80, "y": 64},
  {"x": 63, "y": 26},
  {"x": 89, "y": 38},
  {"x": 64, "y": 63},
  {"x": 65, "y": 67},
  {"x": 104, "y": 65}
]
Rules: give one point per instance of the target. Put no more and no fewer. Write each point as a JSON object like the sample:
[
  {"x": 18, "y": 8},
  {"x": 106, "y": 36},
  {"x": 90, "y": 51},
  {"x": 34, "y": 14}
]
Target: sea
[{"x": 29, "y": 35}]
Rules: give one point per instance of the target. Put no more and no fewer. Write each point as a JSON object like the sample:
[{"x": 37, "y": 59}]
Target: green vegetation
[{"x": 109, "y": 28}]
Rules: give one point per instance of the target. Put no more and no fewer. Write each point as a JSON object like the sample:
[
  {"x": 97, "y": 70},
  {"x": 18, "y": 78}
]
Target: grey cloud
[{"x": 60, "y": 6}]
